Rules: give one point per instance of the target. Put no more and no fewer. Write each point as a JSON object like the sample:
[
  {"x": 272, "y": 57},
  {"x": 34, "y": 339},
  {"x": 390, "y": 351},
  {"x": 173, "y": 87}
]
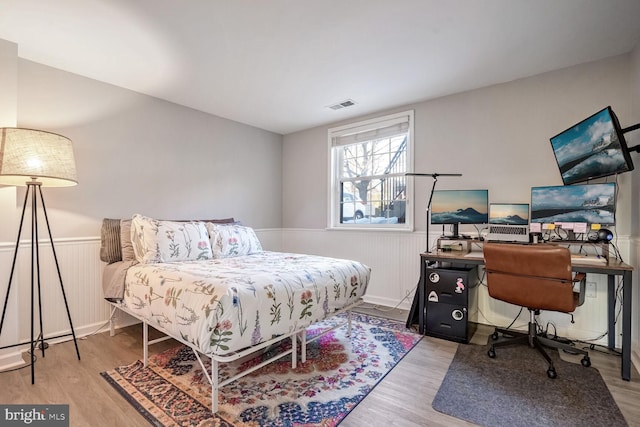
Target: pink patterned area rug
[{"x": 339, "y": 373}]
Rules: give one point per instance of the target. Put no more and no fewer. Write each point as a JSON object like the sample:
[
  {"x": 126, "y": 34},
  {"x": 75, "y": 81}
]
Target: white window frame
[{"x": 333, "y": 213}]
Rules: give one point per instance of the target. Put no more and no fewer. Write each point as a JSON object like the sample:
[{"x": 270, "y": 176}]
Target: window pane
[
  {"x": 369, "y": 172},
  {"x": 374, "y": 201}
]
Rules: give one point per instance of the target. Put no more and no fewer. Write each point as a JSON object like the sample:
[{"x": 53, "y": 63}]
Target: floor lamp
[{"x": 36, "y": 159}]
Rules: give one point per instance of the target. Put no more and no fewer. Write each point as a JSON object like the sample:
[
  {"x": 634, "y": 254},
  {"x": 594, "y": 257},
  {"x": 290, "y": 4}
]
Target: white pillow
[
  {"x": 169, "y": 241},
  {"x": 232, "y": 240}
]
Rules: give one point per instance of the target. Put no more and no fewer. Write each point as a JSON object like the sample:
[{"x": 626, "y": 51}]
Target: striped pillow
[{"x": 110, "y": 249}]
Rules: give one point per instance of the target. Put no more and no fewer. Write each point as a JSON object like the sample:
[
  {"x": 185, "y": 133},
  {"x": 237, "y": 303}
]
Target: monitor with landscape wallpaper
[
  {"x": 593, "y": 148},
  {"x": 583, "y": 203},
  {"x": 454, "y": 207}
]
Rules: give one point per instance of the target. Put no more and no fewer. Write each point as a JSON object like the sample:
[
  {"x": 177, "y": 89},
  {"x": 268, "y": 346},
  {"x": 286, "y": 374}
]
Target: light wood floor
[{"x": 403, "y": 398}]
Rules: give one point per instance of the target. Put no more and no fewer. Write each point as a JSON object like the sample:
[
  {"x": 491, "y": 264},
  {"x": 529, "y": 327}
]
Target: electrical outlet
[{"x": 591, "y": 289}]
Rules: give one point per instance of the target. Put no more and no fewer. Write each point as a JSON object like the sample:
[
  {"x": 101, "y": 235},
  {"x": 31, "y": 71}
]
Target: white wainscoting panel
[
  {"x": 394, "y": 258},
  {"x": 270, "y": 239},
  {"x": 9, "y": 357},
  {"x": 81, "y": 271}
]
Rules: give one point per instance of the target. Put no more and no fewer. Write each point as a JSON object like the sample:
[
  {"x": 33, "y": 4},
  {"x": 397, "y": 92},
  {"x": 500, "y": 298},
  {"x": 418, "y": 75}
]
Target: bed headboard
[{"x": 115, "y": 238}]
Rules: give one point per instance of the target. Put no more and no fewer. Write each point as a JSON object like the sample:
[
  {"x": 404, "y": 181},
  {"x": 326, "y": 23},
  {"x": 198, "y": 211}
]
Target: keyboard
[
  {"x": 475, "y": 254},
  {"x": 588, "y": 259},
  {"x": 504, "y": 229},
  {"x": 508, "y": 233}
]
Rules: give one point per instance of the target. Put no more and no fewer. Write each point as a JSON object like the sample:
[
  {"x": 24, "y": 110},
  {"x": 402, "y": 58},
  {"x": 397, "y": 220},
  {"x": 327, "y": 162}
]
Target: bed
[{"x": 211, "y": 286}]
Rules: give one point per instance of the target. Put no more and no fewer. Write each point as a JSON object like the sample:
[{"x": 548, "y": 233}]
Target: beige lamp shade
[{"x": 28, "y": 154}]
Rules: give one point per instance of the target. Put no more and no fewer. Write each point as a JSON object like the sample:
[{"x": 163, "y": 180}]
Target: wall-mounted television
[
  {"x": 453, "y": 207},
  {"x": 593, "y": 148},
  {"x": 509, "y": 213},
  {"x": 585, "y": 203}
]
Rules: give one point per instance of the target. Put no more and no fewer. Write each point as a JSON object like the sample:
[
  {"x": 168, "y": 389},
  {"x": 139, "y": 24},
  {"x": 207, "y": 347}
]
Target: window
[{"x": 368, "y": 185}]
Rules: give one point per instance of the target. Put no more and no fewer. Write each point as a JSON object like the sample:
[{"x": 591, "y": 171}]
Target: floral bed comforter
[{"x": 227, "y": 304}]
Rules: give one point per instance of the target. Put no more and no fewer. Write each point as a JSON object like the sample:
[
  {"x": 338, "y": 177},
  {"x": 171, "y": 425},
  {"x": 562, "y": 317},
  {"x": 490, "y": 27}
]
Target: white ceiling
[{"x": 278, "y": 64}]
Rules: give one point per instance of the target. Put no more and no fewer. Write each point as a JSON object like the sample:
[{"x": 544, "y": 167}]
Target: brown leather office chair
[{"x": 537, "y": 277}]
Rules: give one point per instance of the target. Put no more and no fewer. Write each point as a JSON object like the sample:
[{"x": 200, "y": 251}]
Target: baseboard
[
  {"x": 389, "y": 303},
  {"x": 635, "y": 359},
  {"x": 13, "y": 359}
]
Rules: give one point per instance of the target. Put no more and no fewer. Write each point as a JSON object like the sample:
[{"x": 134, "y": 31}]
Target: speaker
[
  {"x": 602, "y": 235},
  {"x": 605, "y": 235}
]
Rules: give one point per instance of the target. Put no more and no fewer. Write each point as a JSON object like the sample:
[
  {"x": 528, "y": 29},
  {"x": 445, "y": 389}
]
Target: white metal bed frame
[{"x": 212, "y": 378}]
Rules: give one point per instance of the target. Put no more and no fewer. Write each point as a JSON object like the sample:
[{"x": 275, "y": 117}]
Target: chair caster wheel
[
  {"x": 494, "y": 336},
  {"x": 491, "y": 353},
  {"x": 551, "y": 373},
  {"x": 586, "y": 362}
]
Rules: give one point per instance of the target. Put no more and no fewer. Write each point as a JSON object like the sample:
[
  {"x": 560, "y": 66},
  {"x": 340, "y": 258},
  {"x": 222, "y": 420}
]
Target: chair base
[{"x": 537, "y": 342}]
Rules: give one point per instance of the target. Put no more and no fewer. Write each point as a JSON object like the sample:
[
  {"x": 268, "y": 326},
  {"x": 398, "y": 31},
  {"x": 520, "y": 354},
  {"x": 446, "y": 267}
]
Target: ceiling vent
[{"x": 343, "y": 104}]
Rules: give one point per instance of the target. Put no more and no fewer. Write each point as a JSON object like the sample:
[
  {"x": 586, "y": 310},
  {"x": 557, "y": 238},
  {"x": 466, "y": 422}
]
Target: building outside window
[{"x": 368, "y": 187}]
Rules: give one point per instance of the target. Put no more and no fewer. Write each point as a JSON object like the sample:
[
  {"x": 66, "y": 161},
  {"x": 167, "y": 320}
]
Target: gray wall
[
  {"x": 9, "y": 80},
  {"x": 8, "y": 118},
  {"x": 138, "y": 154},
  {"x": 497, "y": 137}
]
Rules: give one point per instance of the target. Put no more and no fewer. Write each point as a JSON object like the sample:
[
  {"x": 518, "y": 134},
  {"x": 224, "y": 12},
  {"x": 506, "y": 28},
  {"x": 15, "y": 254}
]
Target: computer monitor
[
  {"x": 454, "y": 207},
  {"x": 582, "y": 203},
  {"x": 509, "y": 213},
  {"x": 593, "y": 148}
]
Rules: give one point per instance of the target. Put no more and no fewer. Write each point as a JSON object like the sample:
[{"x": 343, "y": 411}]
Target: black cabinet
[{"x": 450, "y": 296}]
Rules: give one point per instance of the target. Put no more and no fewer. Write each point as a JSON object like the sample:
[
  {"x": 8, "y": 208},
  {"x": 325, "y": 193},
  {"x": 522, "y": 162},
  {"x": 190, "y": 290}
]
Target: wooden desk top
[{"x": 612, "y": 266}]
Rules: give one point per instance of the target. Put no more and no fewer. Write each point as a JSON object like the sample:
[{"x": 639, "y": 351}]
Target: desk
[{"x": 612, "y": 269}]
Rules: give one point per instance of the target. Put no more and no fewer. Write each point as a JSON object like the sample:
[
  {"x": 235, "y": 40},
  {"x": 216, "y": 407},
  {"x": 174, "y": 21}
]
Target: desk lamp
[
  {"x": 435, "y": 180},
  {"x": 413, "y": 312},
  {"x": 35, "y": 158}
]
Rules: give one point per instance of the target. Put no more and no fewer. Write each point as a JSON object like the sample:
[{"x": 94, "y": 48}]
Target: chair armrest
[{"x": 582, "y": 279}]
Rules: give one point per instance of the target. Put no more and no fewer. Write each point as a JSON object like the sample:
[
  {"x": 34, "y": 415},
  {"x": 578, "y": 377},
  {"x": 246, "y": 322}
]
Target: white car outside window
[{"x": 353, "y": 207}]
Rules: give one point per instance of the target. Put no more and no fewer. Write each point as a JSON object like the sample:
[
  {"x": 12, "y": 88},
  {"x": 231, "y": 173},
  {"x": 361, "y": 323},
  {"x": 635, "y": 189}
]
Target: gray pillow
[
  {"x": 110, "y": 249},
  {"x": 125, "y": 240}
]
